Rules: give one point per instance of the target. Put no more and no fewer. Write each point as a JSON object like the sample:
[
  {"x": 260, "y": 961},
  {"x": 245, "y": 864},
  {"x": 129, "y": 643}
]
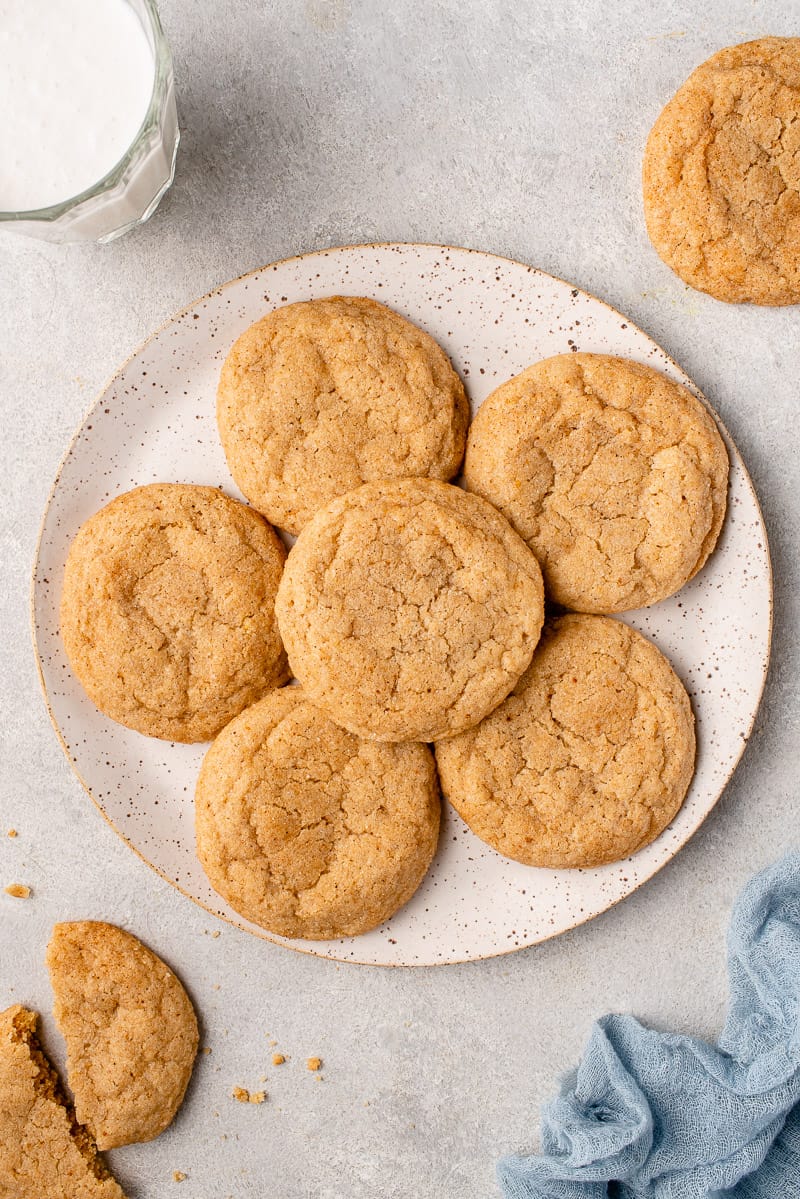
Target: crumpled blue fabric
[{"x": 651, "y": 1115}]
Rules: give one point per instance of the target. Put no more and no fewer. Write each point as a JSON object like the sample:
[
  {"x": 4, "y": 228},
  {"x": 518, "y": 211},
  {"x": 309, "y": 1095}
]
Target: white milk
[{"x": 76, "y": 77}]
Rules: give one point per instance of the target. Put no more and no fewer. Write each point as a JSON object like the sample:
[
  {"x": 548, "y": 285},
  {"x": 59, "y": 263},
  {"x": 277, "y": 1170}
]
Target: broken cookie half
[
  {"x": 44, "y": 1151},
  {"x": 130, "y": 1029}
]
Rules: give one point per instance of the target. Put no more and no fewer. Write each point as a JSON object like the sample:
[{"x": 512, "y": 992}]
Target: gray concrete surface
[{"x": 512, "y": 127}]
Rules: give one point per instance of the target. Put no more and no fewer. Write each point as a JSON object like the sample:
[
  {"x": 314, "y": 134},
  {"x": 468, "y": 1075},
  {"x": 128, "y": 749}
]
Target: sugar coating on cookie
[
  {"x": 44, "y": 1152},
  {"x": 615, "y": 476},
  {"x": 321, "y": 396},
  {"x": 409, "y": 609},
  {"x": 721, "y": 175},
  {"x": 308, "y": 830},
  {"x": 588, "y": 759},
  {"x": 130, "y": 1029},
  {"x": 167, "y": 612}
]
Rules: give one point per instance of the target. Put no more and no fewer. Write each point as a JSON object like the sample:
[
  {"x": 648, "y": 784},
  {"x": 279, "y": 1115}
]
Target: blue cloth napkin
[{"x": 652, "y": 1115}]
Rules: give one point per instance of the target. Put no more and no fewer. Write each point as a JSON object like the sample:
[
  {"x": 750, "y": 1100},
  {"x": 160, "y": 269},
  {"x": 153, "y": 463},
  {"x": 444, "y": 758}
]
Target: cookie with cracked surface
[
  {"x": 614, "y": 475},
  {"x": 721, "y": 175},
  {"x": 409, "y": 609},
  {"x": 588, "y": 759},
  {"x": 130, "y": 1030},
  {"x": 308, "y": 830},
  {"x": 167, "y": 612},
  {"x": 44, "y": 1152},
  {"x": 321, "y": 396}
]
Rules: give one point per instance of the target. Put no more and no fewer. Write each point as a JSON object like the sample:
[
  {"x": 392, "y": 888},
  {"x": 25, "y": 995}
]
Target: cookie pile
[
  {"x": 409, "y": 610},
  {"x": 132, "y": 1039}
]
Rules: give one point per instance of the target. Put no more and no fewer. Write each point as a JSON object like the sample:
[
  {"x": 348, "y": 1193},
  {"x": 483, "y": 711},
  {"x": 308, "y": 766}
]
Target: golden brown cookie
[
  {"x": 722, "y": 175},
  {"x": 615, "y": 476},
  {"x": 319, "y": 397},
  {"x": 44, "y": 1152},
  {"x": 130, "y": 1030},
  {"x": 409, "y": 609},
  {"x": 588, "y": 759},
  {"x": 167, "y": 612},
  {"x": 310, "y": 831}
]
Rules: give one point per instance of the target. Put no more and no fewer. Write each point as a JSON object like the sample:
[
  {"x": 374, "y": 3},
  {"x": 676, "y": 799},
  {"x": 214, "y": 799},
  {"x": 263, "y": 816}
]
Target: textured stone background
[{"x": 508, "y": 126}]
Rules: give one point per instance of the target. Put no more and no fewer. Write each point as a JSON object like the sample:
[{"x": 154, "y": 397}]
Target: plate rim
[{"x": 264, "y": 934}]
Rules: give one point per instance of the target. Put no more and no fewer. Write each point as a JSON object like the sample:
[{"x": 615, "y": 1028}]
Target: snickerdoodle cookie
[
  {"x": 130, "y": 1030},
  {"x": 44, "y": 1152},
  {"x": 615, "y": 476},
  {"x": 722, "y": 175},
  {"x": 409, "y": 609},
  {"x": 167, "y": 612},
  {"x": 321, "y": 396},
  {"x": 588, "y": 759},
  {"x": 310, "y": 831}
]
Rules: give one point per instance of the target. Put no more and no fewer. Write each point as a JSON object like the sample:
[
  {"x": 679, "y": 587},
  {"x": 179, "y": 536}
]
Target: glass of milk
[{"x": 88, "y": 125}]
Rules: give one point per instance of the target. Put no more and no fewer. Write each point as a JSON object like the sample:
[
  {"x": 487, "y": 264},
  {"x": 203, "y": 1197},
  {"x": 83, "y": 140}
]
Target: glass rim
[{"x": 163, "y": 65}]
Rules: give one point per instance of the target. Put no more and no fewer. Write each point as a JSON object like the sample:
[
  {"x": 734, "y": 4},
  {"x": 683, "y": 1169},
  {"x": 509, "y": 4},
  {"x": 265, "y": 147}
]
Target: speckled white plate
[{"x": 156, "y": 421}]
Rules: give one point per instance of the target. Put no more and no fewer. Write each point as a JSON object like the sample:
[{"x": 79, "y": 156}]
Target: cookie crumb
[
  {"x": 242, "y": 1095},
  {"x": 278, "y": 1059},
  {"x": 215, "y": 933},
  {"x": 12, "y": 832},
  {"x": 206, "y": 1049},
  {"x": 179, "y": 1176},
  {"x": 314, "y": 1063},
  {"x": 18, "y": 890}
]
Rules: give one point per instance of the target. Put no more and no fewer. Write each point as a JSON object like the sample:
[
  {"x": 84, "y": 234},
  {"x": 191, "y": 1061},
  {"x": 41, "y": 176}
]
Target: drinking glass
[{"x": 130, "y": 192}]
